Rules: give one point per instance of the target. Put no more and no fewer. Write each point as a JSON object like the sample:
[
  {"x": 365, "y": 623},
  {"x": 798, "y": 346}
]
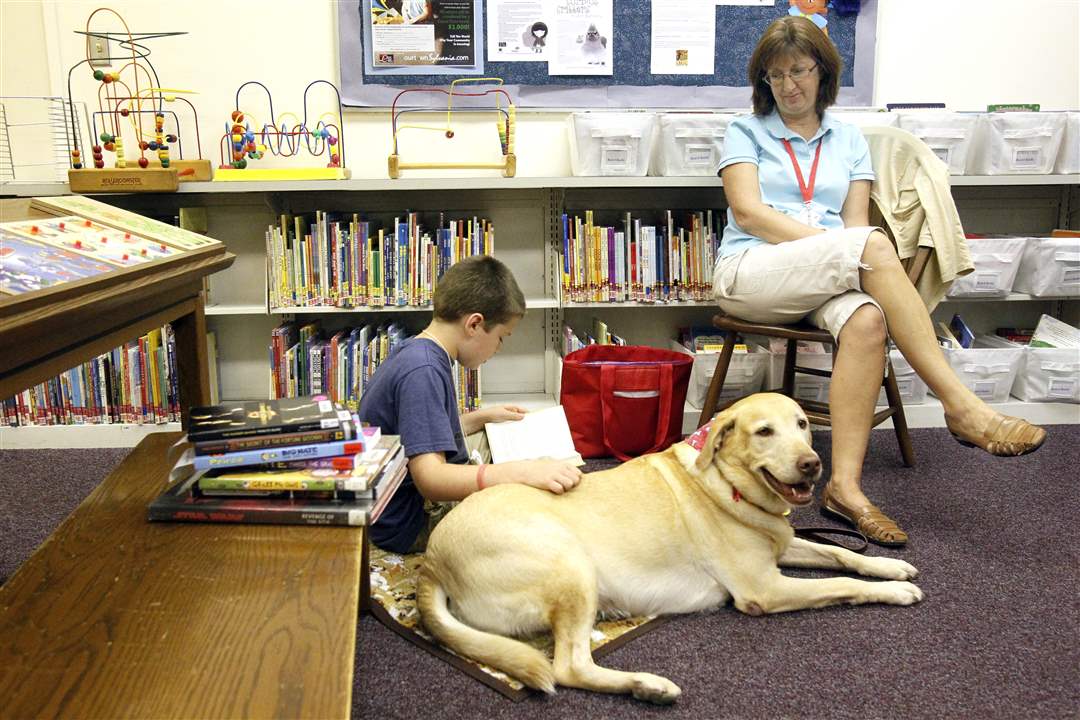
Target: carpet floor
[{"x": 996, "y": 636}]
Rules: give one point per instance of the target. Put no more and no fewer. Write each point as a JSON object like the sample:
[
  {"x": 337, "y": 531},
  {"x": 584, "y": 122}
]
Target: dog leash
[{"x": 821, "y": 535}]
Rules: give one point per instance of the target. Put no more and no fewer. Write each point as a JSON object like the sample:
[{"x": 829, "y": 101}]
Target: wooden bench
[{"x": 114, "y": 616}]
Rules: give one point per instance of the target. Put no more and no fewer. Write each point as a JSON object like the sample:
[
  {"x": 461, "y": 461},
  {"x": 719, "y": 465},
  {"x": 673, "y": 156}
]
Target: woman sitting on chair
[{"x": 798, "y": 244}]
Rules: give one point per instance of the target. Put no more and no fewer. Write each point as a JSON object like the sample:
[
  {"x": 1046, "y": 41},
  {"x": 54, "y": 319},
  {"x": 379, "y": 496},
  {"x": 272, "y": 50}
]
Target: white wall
[
  {"x": 972, "y": 53},
  {"x": 964, "y": 53}
]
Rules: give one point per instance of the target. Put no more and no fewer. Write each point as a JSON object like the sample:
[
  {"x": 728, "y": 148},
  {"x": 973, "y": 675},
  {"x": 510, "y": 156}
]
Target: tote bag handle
[{"x": 607, "y": 388}]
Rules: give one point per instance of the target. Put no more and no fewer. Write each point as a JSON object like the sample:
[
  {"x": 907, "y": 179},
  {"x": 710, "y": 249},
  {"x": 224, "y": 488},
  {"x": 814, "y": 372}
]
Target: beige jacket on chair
[{"x": 912, "y": 193}]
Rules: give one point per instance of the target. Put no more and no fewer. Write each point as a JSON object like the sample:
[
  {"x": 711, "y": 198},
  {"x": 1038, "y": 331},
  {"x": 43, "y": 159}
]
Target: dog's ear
[{"x": 722, "y": 424}]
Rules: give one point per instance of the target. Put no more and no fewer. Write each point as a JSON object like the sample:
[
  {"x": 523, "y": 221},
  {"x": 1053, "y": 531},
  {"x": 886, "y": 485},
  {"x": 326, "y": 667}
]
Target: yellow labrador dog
[{"x": 673, "y": 532}]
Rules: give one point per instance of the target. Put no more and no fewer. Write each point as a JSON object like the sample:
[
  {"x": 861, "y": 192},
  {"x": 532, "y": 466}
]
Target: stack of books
[{"x": 294, "y": 461}]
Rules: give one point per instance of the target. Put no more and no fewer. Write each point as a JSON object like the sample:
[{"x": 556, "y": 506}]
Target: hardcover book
[
  {"x": 361, "y": 481},
  {"x": 180, "y": 504},
  {"x": 347, "y": 431},
  {"x": 248, "y": 418}
]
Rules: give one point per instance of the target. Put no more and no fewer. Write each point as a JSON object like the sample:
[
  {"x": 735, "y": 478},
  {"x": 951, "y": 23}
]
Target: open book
[{"x": 540, "y": 434}]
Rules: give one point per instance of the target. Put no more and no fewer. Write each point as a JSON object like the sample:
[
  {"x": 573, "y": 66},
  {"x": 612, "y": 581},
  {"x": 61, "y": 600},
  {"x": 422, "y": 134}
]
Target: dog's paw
[
  {"x": 900, "y": 593},
  {"x": 655, "y": 689},
  {"x": 889, "y": 568}
]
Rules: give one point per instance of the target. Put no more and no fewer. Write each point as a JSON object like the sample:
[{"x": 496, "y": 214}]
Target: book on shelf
[
  {"x": 638, "y": 261},
  {"x": 1053, "y": 333},
  {"x": 247, "y": 418},
  {"x": 960, "y": 330},
  {"x": 946, "y": 338},
  {"x": 540, "y": 434}
]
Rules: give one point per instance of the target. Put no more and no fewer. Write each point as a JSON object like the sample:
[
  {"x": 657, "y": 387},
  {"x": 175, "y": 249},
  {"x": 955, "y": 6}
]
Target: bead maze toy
[
  {"x": 504, "y": 122},
  {"x": 241, "y": 144},
  {"x": 132, "y": 95}
]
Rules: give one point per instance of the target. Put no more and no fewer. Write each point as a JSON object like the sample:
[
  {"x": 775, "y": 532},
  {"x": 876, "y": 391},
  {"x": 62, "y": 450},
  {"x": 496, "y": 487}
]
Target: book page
[{"x": 540, "y": 434}]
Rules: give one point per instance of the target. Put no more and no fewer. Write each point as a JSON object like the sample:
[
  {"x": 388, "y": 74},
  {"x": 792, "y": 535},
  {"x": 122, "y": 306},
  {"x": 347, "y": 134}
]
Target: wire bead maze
[
  {"x": 133, "y": 95},
  {"x": 285, "y": 136},
  {"x": 504, "y": 121}
]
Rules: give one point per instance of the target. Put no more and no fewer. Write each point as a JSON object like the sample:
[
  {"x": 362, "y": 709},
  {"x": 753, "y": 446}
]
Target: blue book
[{"x": 284, "y": 453}]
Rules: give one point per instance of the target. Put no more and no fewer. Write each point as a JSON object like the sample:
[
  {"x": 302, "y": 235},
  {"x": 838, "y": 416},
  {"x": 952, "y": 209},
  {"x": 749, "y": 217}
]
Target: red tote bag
[{"x": 626, "y": 400}]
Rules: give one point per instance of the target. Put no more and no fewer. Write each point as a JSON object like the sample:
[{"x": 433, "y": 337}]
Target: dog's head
[{"x": 768, "y": 436}]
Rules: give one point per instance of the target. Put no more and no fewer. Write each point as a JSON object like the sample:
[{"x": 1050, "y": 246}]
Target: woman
[{"x": 798, "y": 244}]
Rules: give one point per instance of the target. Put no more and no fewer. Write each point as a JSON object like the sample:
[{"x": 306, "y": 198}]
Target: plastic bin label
[
  {"x": 1027, "y": 158},
  {"x": 616, "y": 159},
  {"x": 1061, "y": 387},
  {"x": 699, "y": 155},
  {"x": 984, "y": 389}
]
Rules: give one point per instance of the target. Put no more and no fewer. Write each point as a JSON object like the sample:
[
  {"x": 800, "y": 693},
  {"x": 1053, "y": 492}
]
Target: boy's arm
[{"x": 440, "y": 481}]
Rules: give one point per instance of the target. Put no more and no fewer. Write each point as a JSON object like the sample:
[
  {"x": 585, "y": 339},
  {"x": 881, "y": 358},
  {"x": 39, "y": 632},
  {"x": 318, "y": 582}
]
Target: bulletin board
[{"x": 631, "y": 84}]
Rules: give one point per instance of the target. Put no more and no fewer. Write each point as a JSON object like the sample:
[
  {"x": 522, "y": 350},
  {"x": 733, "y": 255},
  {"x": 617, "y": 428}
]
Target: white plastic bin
[
  {"x": 867, "y": 118},
  {"x": 948, "y": 134},
  {"x": 1043, "y": 374},
  {"x": 1012, "y": 143},
  {"x": 987, "y": 372},
  {"x": 745, "y": 376},
  {"x": 912, "y": 388},
  {"x": 611, "y": 143},
  {"x": 807, "y": 387},
  {"x": 1049, "y": 267},
  {"x": 1048, "y": 375},
  {"x": 996, "y": 259},
  {"x": 690, "y": 143},
  {"x": 1068, "y": 162}
]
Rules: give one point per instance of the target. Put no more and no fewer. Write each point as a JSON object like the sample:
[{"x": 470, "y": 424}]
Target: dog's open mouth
[{"x": 797, "y": 494}]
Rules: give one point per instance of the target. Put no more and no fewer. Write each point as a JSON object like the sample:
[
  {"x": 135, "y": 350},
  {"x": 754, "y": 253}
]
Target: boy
[{"x": 477, "y": 304}]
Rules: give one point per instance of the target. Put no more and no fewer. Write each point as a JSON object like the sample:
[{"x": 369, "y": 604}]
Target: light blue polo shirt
[{"x": 845, "y": 156}]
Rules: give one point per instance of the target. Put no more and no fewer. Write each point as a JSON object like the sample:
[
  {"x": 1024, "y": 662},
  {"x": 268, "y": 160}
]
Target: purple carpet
[{"x": 996, "y": 636}]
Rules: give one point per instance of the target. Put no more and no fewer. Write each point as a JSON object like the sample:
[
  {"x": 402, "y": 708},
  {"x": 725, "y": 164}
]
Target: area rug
[{"x": 393, "y": 595}]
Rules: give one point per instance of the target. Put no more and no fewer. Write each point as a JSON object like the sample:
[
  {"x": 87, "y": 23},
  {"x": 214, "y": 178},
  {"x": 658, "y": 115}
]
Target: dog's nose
[{"x": 809, "y": 465}]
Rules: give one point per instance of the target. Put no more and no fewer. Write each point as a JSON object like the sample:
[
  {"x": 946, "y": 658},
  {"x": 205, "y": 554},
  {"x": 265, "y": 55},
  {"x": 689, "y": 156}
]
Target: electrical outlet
[{"x": 100, "y": 52}]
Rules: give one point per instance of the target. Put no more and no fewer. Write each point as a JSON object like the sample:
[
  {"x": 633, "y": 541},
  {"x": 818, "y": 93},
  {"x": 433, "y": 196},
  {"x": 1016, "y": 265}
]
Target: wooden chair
[{"x": 817, "y": 412}]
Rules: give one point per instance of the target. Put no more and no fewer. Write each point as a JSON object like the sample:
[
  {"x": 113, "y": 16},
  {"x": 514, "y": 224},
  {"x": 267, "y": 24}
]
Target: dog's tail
[{"x": 526, "y": 663}]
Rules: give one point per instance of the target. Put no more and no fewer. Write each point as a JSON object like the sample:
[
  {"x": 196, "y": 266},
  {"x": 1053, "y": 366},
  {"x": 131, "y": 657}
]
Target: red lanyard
[{"x": 806, "y": 190}]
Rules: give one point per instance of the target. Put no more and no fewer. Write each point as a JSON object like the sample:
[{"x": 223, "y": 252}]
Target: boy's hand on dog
[{"x": 554, "y": 476}]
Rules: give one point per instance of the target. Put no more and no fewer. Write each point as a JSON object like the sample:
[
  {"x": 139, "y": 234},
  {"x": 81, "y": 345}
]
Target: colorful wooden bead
[
  {"x": 99, "y": 75},
  {"x": 143, "y": 162}
]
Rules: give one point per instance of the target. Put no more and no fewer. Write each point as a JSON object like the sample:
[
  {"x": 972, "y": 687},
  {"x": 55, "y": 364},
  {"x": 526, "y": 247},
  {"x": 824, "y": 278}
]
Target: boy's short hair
[{"x": 479, "y": 284}]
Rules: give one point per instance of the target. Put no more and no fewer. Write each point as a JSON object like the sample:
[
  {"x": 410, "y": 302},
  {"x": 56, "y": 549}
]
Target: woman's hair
[
  {"x": 538, "y": 27},
  {"x": 789, "y": 35}
]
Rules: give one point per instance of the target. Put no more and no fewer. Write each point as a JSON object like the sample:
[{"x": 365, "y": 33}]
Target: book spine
[
  {"x": 352, "y": 488},
  {"x": 281, "y": 454},
  {"x": 216, "y": 447},
  {"x": 268, "y": 514}
]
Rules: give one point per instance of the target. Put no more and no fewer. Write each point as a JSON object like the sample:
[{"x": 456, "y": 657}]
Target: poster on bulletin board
[{"x": 584, "y": 53}]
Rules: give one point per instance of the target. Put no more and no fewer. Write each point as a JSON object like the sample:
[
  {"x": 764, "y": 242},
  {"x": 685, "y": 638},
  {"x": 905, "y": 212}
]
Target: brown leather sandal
[
  {"x": 1005, "y": 436},
  {"x": 868, "y": 519}
]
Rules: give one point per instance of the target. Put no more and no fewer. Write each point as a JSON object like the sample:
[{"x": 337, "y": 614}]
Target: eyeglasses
[{"x": 796, "y": 75}]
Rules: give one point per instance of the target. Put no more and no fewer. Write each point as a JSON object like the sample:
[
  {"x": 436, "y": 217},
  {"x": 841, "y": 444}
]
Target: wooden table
[
  {"x": 47, "y": 332},
  {"x": 117, "y": 617}
]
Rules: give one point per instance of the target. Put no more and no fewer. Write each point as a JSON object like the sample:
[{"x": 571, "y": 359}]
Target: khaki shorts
[
  {"x": 436, "y": 511},
  {"x": 816, "y": 278}
]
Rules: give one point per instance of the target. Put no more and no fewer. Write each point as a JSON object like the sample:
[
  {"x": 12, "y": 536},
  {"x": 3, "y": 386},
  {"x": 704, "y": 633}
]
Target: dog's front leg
[
  {"x": 772, "y": 592},
  {"x": 807, "y": 554}
]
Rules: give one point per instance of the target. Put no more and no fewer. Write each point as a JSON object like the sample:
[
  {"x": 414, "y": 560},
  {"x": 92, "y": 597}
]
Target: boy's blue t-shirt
[{"x": 412, "y": 395}]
